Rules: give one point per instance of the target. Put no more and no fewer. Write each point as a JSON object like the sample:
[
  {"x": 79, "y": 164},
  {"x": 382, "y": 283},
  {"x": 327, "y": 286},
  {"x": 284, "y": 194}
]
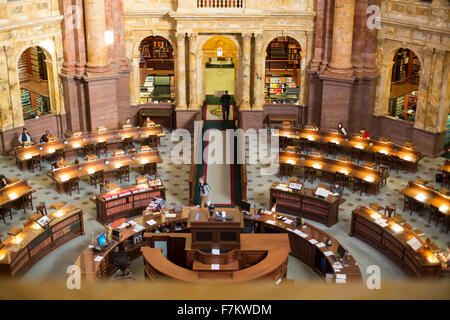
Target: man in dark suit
[
  {"x": 337, "y": 190},
  {"x": 225, "y": 101}
]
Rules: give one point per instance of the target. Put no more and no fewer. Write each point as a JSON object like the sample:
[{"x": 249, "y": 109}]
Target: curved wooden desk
[
  {"x": 392, "y": 240},
  {"x": 25, "y": 249},
  {"x": 72, "y": 144},
  {"x": 272, "y": 265},
  {"x": 409, "y": 156},
  {"x": 301, "y": 247}
]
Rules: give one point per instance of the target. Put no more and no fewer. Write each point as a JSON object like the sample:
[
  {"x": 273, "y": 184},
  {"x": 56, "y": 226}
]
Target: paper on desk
[
  {"x": 313, "y": 241},
  {"x": 288, "y": 221},
  {"x": 138, "y": 228},
  {"x": 151, "y": 222},
  {"x": 381, "y": 222},
  {"x": 341, "y": 280},
  {"x": 98, "y": 258},
  {"x": 328, "y": 253},
  {"x": 171, "y": 215},
  {"x": 414, "y": 243},
  {"x": 215, "y": 266},
  {"x": 266, "y": 212},
  {"x": 132, "y": 222},
  {"x": 337, "y": 265},
  {"x": 341, "y": 276},
  {"x": 270, "y": 222},
  {"x": 301, "y": 234},
  {"x": 320, "y": 245},
  {"x": 123, "y": 225}
]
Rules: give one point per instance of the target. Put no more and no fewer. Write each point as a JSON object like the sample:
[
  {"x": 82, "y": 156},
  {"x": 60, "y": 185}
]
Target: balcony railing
[{"x": 220, "y": 3}]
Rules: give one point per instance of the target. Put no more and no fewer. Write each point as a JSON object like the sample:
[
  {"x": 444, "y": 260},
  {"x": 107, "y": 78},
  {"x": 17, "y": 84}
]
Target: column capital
[
  {"x": 180, "y": 35},
  {"x": 192, "y": 35},
  {"x": 246, "y": 35}
]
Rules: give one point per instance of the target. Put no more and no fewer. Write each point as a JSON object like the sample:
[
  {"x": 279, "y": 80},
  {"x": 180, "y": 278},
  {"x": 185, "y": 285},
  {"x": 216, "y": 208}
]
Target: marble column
[
  {"x": 181, "y": 71},
  {"x": 119, "y": 34},
  {"x": 370, "y": 50},
  {"x": 97, "y": 52},
  {"x": 193, "y": 44},
  {"x": 384, "y": 90},
  {"x": 246, "y": 57},
  {"x": 319, "y": 36},
  {"x": 359, "y": 36},
  {"x": 68, "y": 26},
  {"x": 6, "y": 112},
  {"x": 341, "y": 47},
  {"x": 258, "y": 78}
]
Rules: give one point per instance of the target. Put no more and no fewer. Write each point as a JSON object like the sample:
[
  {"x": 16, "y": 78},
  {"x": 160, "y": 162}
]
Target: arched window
[
  {"x": 283, "y": 61},
  {"x": 404, "y": 85},
  {"x": 33, "y": 82},
  {"x": 156, "y": 64}
]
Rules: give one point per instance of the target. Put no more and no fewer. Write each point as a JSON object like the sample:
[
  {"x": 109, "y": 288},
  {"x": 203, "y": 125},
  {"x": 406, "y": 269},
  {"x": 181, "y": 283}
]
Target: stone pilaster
[
  {"x": 68, "y": 25},
  {"x": 258, "y": 78},
  {"x": 181, "y": 72},
  {"x": 97, "y": 52},
  {"x": 246, "y": 58},
  {"x": 193, "y": 44}
]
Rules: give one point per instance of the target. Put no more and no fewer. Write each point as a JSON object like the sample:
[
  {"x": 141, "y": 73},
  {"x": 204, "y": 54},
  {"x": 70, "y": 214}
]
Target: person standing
[
  {"x": 341, "y": 129},
  {"x": 337, "y": 190},
  {"x": 225, "y": 101},
  {"x": 25, "y": 137},
  {"x": 205, "y": 192}
]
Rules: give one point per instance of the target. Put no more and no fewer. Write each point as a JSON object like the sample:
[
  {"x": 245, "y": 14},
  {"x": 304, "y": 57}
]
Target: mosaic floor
[{"x": 175, "y": 178}]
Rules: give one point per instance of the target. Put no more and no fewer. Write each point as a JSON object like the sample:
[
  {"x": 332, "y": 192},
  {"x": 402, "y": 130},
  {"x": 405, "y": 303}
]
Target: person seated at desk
[
  {"x": 60, "y": 163},
  {"x": 45, "y": 136},
  {"x": 25, "y": 137},
  {"x": 149, "y": 123},
  {"x": 3, "y": 181},
  {"x": 365, "y": 134},
  {"x": 127, "y": 124},
  {"x": 341, "y": 129},
  {"x": 337, "y": 190}
]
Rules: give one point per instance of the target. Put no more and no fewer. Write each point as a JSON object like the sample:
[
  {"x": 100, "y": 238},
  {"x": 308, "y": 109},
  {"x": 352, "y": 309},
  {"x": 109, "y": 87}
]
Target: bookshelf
[
  {"x": 160, "y": 88},
  {"x": 283, "y": 53},
  {"x": 406, "y": 67},
  {"x": 156, "y": 53},
  {"x": 280, "y": 89},
  {"x": 126, "y": 203}
]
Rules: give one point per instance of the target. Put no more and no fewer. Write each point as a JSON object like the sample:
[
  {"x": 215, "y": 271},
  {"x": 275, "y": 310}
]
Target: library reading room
[{"x": 294, "y": 149}]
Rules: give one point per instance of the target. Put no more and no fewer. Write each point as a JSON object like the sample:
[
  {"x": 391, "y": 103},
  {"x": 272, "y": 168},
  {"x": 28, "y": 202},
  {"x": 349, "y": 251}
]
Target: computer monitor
[
  {"x": 341, "y": 251},
  {"x": 101, "y": 240},
  {"x": 245, "y": 206}
]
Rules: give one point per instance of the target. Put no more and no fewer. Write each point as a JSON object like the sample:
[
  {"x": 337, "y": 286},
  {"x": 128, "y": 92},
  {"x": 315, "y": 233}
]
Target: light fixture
[
  {"x": 408, "y": 158},
  {"x": 335, "y": 141},
  {"x": 317, "y": 166},
  {"x": 344, "y": 171},
  {"x": 396, "y": 227},
  {"x": 35, "y": 226},
  {"x": 76, "y": 145},
  {"x": 420, "y": 197},
  {"x": 311, "y": 138},
  {"x": 369, "y": 179},
  {"x": 144, "y": 161},
  {"x": 12, "y": 195},
  {"x": 3, "y": 254},
  {"x": 383, "y": 151},
  {"x": 290, "y": 161},
  {"x": 443, "y": 208},
  {"x": 91, "y": 170},
  {"x": 51, "y": 150},
  {"x": 64, "y": 177},
  {"x": 17, "y": 238},
  {"x": 359, "y": 146},
  {"x": 219, "y": 52},
  {"x": 58, "y": 214}
]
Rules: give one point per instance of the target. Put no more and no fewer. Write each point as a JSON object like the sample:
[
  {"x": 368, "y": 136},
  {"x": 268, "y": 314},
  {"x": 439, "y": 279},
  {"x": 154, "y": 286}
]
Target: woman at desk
[
  {"x": 341, "y": 129},
  {"x": 337, "y": 190},
  {"x": 25, "y": 137},
  {"x": 127, "y": 124},
  {"x": 3, "y": 181},
  {"x": 364, "y": 134}
]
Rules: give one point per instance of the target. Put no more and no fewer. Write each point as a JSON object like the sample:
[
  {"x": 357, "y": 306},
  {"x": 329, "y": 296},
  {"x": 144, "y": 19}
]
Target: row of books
[
  {"x": 66, "y": 222},
  {"x": 117, "y": 209}
]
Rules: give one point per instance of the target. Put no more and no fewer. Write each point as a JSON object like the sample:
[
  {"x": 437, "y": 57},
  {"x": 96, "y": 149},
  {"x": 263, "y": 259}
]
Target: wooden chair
[
  {"x": 380, "y": 159},
  {"x": 152, "y": 141},
  {"x": 72, "y": 185},
  {"x": 310, "y": 174},
  {"x": 408, "y": 145},
  {"x": 27, "y": 201},
  {"x": 59, "y": 153},
  {"x": 41, "y": 208},
  {"x": 123, "y": 173},
  {"x": 332, "y": 149},
  {"x": 150, "y": 169},
  {"x": 445, "y": 179},
  {"x": 436, "y": 214},
  {"x": 389, "y": 211},
  {"x": 341, "y": 178},
  {"x": 356, "y": 154},
  {"x": 88, "y": 149},
  {"x": 4, "y": 211},
  {"x": 408, "y": 203},
  {"x": 97, "y": 177},
  {"x": 376, "y": 207},
  {"x": 286, "y": 170},
  {"x": 395, "y": 163},
  {"x": 36, "y": 162},
  {"x": 359, "y": 185},
  {"x": 285, "y": 142},
  {"x": 304, "y": 144},
  {"x": 385, "y": 174},
  {"x": 127, "y": 143},
  {"x": 101, "y": 147}
]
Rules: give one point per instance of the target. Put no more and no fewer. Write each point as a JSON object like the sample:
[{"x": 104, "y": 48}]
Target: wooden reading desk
[
  {"x": 108, "y": 165},
  {"x": 71, "y": 145},
  {"x": 329, "y": 167},
  {"x": 15, "y": 194},
  {"x": 409, "y": 157},
  {"x": 305, "y": 203}
]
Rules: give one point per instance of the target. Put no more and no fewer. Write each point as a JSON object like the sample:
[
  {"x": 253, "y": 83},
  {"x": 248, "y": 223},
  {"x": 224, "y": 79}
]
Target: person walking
[
  {"x": 225, "y": 101},
  {"x": 205, "y": 192}
]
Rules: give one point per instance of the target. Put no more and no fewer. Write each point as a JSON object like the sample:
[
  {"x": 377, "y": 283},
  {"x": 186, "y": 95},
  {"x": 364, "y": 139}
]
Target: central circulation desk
[
  {"x": 73, "y": 144},
  {"x": 25, "y": 249},
  {"x": 301, "y": 241},
  {"x": 409, "y": 156},
  {"x": 108, "y": 165},
  {"x": 392, "y": 240},
  {"x": 329, "y": 167},
  {"x": 305, "y": 204}
]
